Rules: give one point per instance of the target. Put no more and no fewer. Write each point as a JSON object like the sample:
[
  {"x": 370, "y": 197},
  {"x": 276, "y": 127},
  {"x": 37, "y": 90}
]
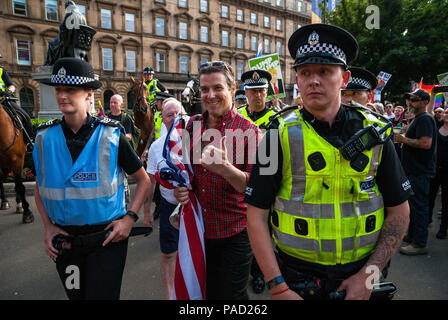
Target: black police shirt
[
  {"x": 127, "y": 158},
  {"x": 392, "y": 182}
]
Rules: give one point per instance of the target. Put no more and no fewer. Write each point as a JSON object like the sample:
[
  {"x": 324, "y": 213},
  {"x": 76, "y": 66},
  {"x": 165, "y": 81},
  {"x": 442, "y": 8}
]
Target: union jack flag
[{"x": 190, "y": 273}]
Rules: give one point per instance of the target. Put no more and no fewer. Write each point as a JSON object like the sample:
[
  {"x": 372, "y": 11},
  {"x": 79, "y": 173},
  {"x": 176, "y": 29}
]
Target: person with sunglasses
[
  {"x": 419, "y": 159},
  {"x": 220, "y": 178}
]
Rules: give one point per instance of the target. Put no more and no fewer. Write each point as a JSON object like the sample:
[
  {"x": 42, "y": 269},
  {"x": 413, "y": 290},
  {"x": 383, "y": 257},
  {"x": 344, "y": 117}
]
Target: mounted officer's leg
[{"x": 27, "y": 127}]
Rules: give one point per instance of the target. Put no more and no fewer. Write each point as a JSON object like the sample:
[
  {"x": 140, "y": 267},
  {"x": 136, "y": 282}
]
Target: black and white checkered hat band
[
  {"x": 260, "y": 81},
  {"x": 360, "y": 82},
  {"x": 70, "y": 80},
  {"x": 321, "y": 47}
]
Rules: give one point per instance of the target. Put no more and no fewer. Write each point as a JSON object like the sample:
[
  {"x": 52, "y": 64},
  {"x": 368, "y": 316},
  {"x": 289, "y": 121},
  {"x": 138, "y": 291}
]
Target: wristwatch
[
  {"x": 132, "y": 214},
  {"x": 276, "y": 281}
]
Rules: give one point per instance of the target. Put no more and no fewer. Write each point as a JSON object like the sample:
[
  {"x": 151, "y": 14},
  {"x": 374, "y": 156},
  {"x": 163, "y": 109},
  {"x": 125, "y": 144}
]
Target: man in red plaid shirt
[{"x": 222, "y": 148}]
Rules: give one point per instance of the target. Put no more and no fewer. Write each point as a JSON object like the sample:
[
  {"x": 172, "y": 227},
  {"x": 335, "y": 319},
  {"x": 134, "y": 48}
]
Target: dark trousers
[
  {"x": 419, "y": 209},
  {"x": 228, "y": 266},
  {"x": 93, "y": 272},
  {"x": 440, "y": 180}
]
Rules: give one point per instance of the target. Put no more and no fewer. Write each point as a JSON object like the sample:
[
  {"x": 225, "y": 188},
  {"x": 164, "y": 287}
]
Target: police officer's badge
[
  {"x": 313, "y": 39},
  {"x": 255, "y": 76},
  {"x": 61, "y": 72}
]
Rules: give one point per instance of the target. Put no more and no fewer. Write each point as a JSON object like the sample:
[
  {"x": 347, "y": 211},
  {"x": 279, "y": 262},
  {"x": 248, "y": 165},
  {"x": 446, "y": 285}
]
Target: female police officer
[
  {"x": 79, "y": 191},
  {"x": 334, "y": 220}
]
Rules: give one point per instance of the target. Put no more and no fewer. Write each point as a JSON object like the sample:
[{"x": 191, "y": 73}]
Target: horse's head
[
  {"x": 191, "y": 91},
  {"x": 141, "y": 95}
]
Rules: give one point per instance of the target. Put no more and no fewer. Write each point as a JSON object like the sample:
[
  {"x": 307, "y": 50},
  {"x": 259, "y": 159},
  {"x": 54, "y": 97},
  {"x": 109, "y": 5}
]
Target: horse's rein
[{"x": 137, "y": 101}]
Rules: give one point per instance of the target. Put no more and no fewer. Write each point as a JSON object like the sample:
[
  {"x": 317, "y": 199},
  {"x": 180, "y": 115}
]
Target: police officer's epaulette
[
  {"x": 110, "y": 122},
  {"x": 241, "y": 107},
  {"x": 48, "y": 124},
  {"x": 356, "y": 106},
  {"x": 273, "y": 120}
]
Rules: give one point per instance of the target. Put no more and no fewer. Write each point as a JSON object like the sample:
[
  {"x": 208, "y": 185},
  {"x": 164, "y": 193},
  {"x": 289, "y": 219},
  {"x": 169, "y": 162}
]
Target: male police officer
[
  {"x": 240, "y": 98},
  {"x": 79, "y": 192},
  {"x": 256, "y": 84},
  {"x": 360, "y": 87},
  {"x": 152, "y": 84},
  {"x": 336, "y": 221}
]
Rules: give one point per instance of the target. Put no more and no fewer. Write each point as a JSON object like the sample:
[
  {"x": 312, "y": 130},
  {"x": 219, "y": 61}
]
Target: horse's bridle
[{"x": 137, "y": 105}]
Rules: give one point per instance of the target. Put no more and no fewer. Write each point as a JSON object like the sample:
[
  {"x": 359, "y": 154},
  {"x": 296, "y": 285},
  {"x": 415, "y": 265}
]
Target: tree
[{"x": 410, "y": 42}]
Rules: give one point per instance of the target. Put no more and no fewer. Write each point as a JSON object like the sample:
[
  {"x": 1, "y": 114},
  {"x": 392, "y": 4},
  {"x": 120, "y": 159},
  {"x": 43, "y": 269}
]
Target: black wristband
[{"x": 132, "y": 214}]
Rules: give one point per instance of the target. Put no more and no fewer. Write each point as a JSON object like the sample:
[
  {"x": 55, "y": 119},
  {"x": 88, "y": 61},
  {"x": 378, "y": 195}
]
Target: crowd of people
[{"x": 340, "y": 200}]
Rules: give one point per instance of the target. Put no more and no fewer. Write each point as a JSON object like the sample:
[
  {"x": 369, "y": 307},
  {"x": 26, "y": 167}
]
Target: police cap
[
  {"x": 255, "y": 79},
  {"x": 322, "y": 44},
  {"x": 361, "y": 79},
  {"x": 240, "y": 96},
  {"x": 148, "y": 70}
]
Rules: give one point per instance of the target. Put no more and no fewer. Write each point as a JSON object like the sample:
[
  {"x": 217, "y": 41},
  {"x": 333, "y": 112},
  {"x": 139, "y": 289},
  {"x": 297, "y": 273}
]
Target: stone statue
[{"x": 74, "y": 39}]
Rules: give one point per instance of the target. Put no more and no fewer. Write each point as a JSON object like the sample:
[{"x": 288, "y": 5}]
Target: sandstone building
[{"x": 172, "y": 36}]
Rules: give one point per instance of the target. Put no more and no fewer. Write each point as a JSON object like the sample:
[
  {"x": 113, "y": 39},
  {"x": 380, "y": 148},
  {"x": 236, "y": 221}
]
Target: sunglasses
[{"x": 216, "y": 64}]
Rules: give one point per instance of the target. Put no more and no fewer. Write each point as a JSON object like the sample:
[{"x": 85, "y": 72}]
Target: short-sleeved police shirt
[
  {"x": 127, "y": 158},
  {"x": 392, "y": 182}
]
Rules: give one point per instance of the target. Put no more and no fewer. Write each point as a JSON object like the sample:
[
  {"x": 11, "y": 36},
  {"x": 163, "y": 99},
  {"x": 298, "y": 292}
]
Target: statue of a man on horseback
[{"x": 74, "y": 39}]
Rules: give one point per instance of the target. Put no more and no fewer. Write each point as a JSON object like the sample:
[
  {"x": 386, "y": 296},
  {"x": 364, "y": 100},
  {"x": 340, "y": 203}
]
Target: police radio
[{"x": 364, "y": 139}]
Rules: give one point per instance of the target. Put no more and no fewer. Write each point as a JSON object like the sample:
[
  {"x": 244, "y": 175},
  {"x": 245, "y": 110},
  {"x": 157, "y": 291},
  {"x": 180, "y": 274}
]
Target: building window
[
  {"x": 106, "y": 19},
  {"x": 279, "y": 3},
  {"x": 204, "y": 60},
  {"x": 183, "y": 28},
  {"x": 267, "y": 1},
  {"x": 182, "y": 4},
  {"x": 253, "y": 18},
  {"x": 19, "y": 7},
  {"x": 26, "y": 97},
  {"x": 130, "y": 99},
  {"x": 160, "y": 62},
  {"x": 107, "y": 95},
  {"x": 160, "y": 26},
  {"x": 239, "y": 41},
  {"x": 204, "y": 33},
  {"x": 51, "y": 10},
  {"x": 253, "y": 43},
  {"x": 23, "y": 52},
  {"x": 239, "y": 69},
  {"x": 108, "y": 61},
  {"x": 225, "y": 38},
  {"x": 278, "y": 25},
  {"x": 82, "y": 9},
  {"x": 204, "y": 6},
  {"x": 160, "y": 1},
  {"x": 129, "y": 22},
  {"x": 183, "y": 64},
  {"x": 224, "y": 11},
  {"x": 240, "y": 15},
  {"x": 278, "y": 46},
  {"x": 267, "y": 45},
  {"x": 267, "y": 22},
  {"x": 130, "y": 61},
  {"x": 299, "y": 6}
]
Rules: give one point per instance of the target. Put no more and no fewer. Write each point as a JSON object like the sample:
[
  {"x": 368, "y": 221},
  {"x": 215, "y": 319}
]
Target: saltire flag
[
  {"x": 190, "y": 272},
  {"x": 316, "y": 12},
  {"x": 259, "y": 51}
]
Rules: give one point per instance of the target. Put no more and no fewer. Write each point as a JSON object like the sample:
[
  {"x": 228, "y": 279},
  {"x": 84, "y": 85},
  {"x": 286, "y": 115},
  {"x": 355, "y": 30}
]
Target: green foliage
[{"x": 411, "y": 42}]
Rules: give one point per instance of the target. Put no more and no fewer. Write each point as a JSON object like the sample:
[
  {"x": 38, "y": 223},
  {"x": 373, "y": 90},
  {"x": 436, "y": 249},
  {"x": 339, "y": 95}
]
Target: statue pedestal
[{"x": 48, "y": 105}]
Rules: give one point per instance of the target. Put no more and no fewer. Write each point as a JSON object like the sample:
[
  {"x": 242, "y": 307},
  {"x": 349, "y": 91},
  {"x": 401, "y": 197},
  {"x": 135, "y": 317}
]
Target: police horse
[
  {"x": 143, "y": 113},
  {"x": 191, "y": 97},
  {"x": 12, "y": 156}
]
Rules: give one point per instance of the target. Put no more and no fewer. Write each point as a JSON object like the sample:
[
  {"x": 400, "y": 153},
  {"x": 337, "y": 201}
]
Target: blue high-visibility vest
[{"x": 87, "y": 192}]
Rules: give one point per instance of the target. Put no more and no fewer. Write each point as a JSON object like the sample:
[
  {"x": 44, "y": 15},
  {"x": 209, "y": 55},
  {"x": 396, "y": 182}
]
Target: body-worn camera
[{"x": 364, "y": 139}]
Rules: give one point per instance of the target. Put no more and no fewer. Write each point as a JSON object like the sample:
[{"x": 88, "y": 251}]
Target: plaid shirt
[{"x": 223, "y": 207}]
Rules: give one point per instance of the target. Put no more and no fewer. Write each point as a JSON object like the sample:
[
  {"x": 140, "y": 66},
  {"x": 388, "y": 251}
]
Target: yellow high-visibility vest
[
  {"x": 330, "y": 216},
  {"x": 157, "y": 124},
  {"x": 263, "y": 120}
]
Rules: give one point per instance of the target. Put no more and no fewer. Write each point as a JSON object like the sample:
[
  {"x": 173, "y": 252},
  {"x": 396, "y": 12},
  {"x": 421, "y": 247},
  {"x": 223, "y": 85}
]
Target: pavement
[{"x": 27, "y": 273}]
